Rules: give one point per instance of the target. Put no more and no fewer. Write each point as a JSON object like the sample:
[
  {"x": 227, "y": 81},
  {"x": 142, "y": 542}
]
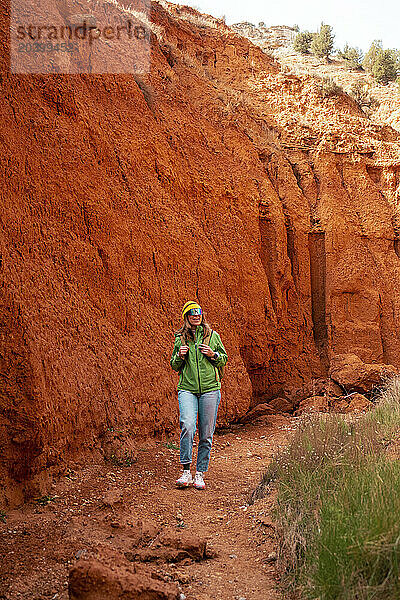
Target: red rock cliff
[{"x": 217, "y": 177}]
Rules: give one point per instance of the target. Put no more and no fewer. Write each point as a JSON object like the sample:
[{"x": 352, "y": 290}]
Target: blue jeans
[{"x": 205, "y": 406}]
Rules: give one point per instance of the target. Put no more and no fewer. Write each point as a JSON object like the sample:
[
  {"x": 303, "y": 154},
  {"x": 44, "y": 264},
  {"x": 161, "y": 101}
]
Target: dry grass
[
  {"x": 338, "y": 505},
  {"x": 139, "y": 16},
  {"x": 203, "y": 21},
  {"x": 329, "y": 87}
]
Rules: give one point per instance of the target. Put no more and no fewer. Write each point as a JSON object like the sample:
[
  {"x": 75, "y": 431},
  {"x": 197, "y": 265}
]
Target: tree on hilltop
[
  {"x": 388, "y": 70},
  {"x": 353, "y": 56},
  {"x": 372, "y": 55},
  {"x": 302, "y": 42},
  {"x": 322, "y": 43},
  {"x": 384, "y": 65}
]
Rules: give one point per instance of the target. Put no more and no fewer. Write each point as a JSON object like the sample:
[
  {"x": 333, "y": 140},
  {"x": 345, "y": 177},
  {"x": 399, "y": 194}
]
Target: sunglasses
[{"x": 195, "y": 311}]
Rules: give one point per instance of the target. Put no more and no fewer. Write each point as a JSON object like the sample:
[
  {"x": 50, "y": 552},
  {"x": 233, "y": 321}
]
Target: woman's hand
[
  {"x": 183, "y": 350},
  {"x": 206, "y": 350}
]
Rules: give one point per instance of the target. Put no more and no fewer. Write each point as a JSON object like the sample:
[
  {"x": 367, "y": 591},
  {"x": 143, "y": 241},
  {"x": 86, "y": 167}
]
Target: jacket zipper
[
  {"x": 217, "y": 378},
  {"x": 198, "y": 370},
  {"x": 215, "y": 368},
  {"x": 197, "y": 362}
]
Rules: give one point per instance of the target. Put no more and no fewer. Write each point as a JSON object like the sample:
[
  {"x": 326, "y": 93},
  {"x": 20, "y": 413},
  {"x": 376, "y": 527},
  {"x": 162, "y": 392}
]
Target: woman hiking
[{"x": 199, "y": 356}]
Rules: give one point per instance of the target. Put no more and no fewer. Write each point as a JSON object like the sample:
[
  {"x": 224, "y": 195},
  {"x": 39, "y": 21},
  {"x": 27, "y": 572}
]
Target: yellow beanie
[{"x": 188, "y": 306}]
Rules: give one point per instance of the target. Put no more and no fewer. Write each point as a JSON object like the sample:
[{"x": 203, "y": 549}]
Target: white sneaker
[
  {"x": 199, "y": 481},
  {"x": 185, "y": 479}
]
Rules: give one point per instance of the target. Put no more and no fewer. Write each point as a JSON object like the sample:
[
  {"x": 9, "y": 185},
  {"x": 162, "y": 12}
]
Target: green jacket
[{"x": 198, "y": 373}]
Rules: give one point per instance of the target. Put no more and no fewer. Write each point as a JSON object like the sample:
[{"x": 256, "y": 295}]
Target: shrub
[
  {"x": 360, "y": 93},
  {"x": 302, "y": 42},
  {"x": 322, "y": 42},
  {"x": 330, "y": 87},
  {"x": 353, "y": 56},
  {"x": 338, "y": 505}
]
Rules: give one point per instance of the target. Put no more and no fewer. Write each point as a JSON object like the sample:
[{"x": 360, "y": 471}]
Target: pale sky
[{"x": 357, "y": 22}]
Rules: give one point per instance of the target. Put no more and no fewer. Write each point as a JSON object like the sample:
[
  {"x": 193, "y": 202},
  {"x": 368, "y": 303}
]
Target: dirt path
[{"x": 95, "y": 507}]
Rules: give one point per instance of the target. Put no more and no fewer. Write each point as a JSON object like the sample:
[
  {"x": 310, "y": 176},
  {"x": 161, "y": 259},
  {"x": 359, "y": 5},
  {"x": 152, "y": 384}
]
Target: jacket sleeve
[
  {"x": 176, "y": 362},
  {"x": 219, "y": 347}
]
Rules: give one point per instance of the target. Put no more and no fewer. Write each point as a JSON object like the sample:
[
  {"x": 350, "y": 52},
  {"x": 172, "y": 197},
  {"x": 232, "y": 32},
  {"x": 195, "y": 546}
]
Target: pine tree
[
  {"x": 302, "y": 42},
  {"x": 353, "y": 56},
  {"x": 372, "y": 55},
  {"x": 384, "y": 65},
  {"x": 322, "y": 43},
  {"x": 389, "y": 67}
]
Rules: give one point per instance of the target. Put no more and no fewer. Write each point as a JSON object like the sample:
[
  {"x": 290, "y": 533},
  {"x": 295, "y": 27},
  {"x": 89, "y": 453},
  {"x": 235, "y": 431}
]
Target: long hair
[{"x": 186, "y": 329}]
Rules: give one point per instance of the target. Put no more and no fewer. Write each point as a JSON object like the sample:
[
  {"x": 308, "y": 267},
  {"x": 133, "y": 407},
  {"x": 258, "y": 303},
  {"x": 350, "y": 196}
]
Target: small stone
[
  {"x": 112, "y": 497},
  {"x": 182, "y": 597},
  {"x": 232, "y": 556},
  {"x": 272, "y": 556},
  {"x": 182, "y": 577},
  {"x": 80, "y": 553},
  {"x": 267, "y": 521}
]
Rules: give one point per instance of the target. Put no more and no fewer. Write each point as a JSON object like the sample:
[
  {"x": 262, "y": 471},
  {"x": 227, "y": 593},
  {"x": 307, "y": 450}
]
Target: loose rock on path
[{"x": 133, "y": 520}]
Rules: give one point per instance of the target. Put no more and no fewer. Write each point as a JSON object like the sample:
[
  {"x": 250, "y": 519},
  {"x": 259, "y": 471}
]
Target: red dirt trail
[{"x": 93, "y": 507}]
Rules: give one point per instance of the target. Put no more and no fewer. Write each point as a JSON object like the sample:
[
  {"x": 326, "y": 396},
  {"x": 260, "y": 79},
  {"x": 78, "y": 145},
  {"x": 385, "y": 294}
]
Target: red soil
[
  {"x": 103, "y": 511},
  {"x": 216, "y": 177}
]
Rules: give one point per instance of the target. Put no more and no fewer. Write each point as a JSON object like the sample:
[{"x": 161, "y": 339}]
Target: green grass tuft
[
  {"x": 125, "y": 460},
  {"x": 44, "y": 500},
  {"x": 171, "y": 445}
]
